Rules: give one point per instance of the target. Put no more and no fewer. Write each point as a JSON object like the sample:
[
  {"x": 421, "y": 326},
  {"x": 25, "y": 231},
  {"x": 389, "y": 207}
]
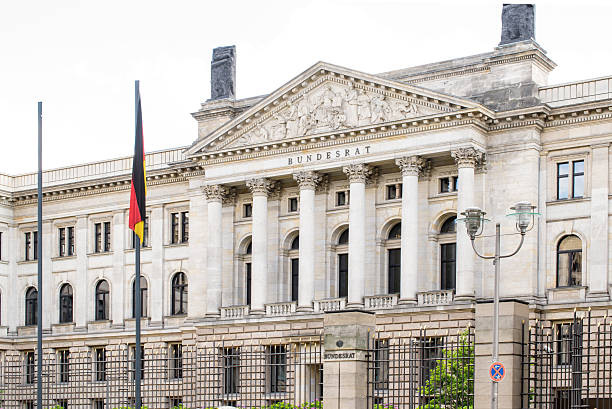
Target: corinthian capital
[
  {"x": 307, "y": 179},
  {"x": 467, "y": 157},
  {"x": 360, "y": 172},
  {"x": 214, "y": 193},
  {"x": 412, "y": 165},
  {"x": 261, "y": 186}
]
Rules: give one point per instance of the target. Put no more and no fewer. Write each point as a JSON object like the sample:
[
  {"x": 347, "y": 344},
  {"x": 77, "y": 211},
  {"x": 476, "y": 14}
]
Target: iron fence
[
  {"x": 428, "y": 371},
  {"x": 567, "y": 364},
  {"x": 250, "y": 376}
]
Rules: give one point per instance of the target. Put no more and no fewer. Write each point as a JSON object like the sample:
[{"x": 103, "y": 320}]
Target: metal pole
[
  {"x": 137, "y": 297},
  {"x": 39, "y": 254},
  {"x": 494, "y": 385}
]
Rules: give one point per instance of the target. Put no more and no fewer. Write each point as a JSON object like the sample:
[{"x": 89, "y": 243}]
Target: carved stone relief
[{"x": 330, "y": 107}]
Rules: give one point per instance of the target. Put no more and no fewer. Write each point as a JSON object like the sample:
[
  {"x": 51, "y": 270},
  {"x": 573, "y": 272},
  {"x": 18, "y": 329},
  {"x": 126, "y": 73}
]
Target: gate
[
  {"x": 567, "y": 364},
  {"x": 428, "y": 371}
]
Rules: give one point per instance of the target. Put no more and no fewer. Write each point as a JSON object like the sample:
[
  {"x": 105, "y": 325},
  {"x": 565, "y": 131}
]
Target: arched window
[
  {"x": 394, "y": 259},
  {"x": 144, "y": 291},
  {"x": 343, "y": 266},
  {"x": 179, "y": 294},
  {"x": 569, "y": 261},
  {"x": 294, "y": 257},
  {"x": 247, "y": 272},
  {"x": 448, "y": 254},
  {"x": 65, "y": 296},
  {"x": 102, "y": 300},
  {"x": 31, "y": 306}
]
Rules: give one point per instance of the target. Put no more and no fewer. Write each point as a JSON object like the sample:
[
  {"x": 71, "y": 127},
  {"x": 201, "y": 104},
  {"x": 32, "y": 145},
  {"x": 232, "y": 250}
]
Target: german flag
[{"x": 139, "y": 176}]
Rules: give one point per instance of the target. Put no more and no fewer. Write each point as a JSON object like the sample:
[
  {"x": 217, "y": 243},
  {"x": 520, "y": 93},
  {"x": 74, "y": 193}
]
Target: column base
[
  {"x": 598, "y": 296},
  {"x": 305, "y": 308},
  {"x": 257, "y": 312},
  {"x": 354, "y": 306},
  {"x": 465, "y": 298},
  {"x": 407, "y": 301},
  {"x": 212, "y": 315}
]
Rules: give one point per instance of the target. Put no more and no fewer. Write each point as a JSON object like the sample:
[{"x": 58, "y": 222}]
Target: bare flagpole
[
  {"x": 39, "y": 254},
  {"x": 137, "y": 296}
]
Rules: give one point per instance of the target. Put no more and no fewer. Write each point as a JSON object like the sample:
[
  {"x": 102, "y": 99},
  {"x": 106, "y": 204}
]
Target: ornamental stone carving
[
  {"x": 261, "y": 186},
  {"x": 330, "y": 107},
  {"x": 214, "y": 193},
  {"x": 307, "y": 179},
  {"x": 468, "y": 157},
  {"x": 412, "y": 165},
  {"x": 360, "y": 173}
]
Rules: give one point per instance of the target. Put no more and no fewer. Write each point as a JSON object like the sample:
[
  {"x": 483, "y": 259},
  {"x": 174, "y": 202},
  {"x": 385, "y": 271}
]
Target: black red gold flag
[{"x": 139, "y": 178}]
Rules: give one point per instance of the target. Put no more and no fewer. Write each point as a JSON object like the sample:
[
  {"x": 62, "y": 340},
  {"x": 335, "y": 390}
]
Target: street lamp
[{"x": 474, "y": 220}]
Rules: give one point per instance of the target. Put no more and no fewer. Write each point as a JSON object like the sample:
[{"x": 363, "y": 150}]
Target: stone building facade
[{"x": 337, "y": 191}]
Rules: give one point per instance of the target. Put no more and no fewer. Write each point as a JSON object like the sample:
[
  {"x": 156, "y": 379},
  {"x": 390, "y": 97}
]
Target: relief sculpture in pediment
[{"x": 330, "y": 108}]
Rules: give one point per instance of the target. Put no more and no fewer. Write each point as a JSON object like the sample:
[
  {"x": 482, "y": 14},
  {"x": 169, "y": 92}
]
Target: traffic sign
[{"x": 497, "y": 371}]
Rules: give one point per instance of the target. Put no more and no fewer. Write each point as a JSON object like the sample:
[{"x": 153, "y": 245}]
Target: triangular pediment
[{"x": 325, "y": 99}]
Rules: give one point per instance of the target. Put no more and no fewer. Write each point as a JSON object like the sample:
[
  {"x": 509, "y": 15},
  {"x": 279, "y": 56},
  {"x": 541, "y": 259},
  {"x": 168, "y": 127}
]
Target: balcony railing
[
  {"x": 577, "y": 92},
  {"x": 330, "y": 304},
  {"x": 235, "y": 311},
  {"x": 281, "y": 308},
  {"x": 437, "y": 297},
  {"x": 379, "y": 302}
]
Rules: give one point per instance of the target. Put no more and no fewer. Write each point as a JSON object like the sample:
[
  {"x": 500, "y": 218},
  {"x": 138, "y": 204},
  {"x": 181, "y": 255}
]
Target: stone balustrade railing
[
  {"x": 235, "y": 311},
  {"x": 436, "y": 297},
  {"x": 281, "y": 308},
  {"x": 576, "y": 92},
  {"x": 377, "y": 302},
  {"x": 330, "y": 304}
]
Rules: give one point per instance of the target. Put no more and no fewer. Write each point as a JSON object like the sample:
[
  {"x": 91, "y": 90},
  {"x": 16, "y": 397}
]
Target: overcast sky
[{"x": 81, "y": 58}]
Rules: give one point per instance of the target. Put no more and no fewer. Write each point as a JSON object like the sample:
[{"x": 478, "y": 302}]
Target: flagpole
[
  {"x": 39, "y": 254},
  {"x": 137, "y": 297}
]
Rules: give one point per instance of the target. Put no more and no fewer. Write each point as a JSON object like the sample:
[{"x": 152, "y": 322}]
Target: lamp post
[{"x": 474, "y": 218}]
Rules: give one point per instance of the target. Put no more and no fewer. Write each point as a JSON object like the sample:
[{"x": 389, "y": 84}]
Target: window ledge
[
  {"x": 102, "y": 253},
  {"x": 148, "y": 248},
  {"x": 171, "y": 245},
  {"x": 63, "y": 328},
  {"x": 58, "y": 258},
  {"x": 566, "y": 294},
  {"x": 4, "y": 262},
  {"x": 571, "y": 200},
  {"x": 27, "y": 262},
  {"x": 443, "y": 196}
]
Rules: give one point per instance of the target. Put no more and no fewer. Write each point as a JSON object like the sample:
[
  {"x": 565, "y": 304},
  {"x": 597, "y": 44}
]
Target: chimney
[
  {"x": 223, "y": 73},
  {"x": 518, "y": 23}
]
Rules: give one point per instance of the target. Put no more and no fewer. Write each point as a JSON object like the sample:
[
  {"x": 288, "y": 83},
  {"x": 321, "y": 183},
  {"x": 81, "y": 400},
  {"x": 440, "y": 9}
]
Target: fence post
[
  {"x": 511, "y": 315},
  {"x": 345, "y": 363}
]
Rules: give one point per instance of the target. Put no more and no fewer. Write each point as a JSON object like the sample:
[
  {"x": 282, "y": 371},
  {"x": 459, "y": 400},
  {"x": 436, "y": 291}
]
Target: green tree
[{"x": 451, "y": 382}]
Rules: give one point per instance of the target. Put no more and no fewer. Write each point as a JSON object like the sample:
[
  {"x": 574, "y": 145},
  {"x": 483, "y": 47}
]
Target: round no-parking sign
[{"x": 497, "y": 371}]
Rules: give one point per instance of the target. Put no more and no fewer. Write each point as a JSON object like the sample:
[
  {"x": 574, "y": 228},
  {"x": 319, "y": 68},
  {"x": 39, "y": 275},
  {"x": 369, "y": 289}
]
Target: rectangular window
[
  {"x": 61, "y": 404},
  {"x": 448, "y": 261},
  {"x": 394, "y": 191},
  {"x": 277, "y": 363},
  {"x": 30, "y": 367},
  {"x": 248, "y": 283},
  {"x": 175, "y": 402},
  {"x": 63, "y": 358},
  {"x": 99, "y": 364},
  {"x": 97, "y": 237},
  {"x": 133, "y": 362},
  {"x": 563, "y": 341},
  {"x": 342, "y": 275},
  {"x": 431, "y": 352},
  {"x": 231, "y": 370},
  {"x": 28, "y": 404},
  {"x": 62, "y": 242},
  {"x": 449, "y": 184},
  {"x": 97, "y": 404},
  {"x": 247, "y": 210},
  {"x": 175, "y": 358},
  {"x": 28, "y": 246},
  {"x": 107, "y": 236},
  {"x": 179, "y": 227},
  {"x": 293, "y": 204},
  {"x": 394, "y": 268},
  {"x": 35, "y": 234},
  {"x": 381, "y": 364},
  {"x": 295, "y": 277},
  {"x": 578, "y": 178},
  {"x": 70, "y": 247},
  {"x": 342, "y": 198},
  {"x": 563, "y": 180},
  {"x": 184, "y": 227}
]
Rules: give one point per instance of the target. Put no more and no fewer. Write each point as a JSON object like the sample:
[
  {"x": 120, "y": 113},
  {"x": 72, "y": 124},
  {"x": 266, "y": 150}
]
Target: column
[
  {"x": 357, "y": 175},
  {"x": 214, "y": 256},
  {"x": 259, "y": 274},
  {"x": 307, "y": 181},
  {"x": 411, "y": 167},
  {"x": 466, "y": 159},
  {"x": 598, "y": 275}
]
